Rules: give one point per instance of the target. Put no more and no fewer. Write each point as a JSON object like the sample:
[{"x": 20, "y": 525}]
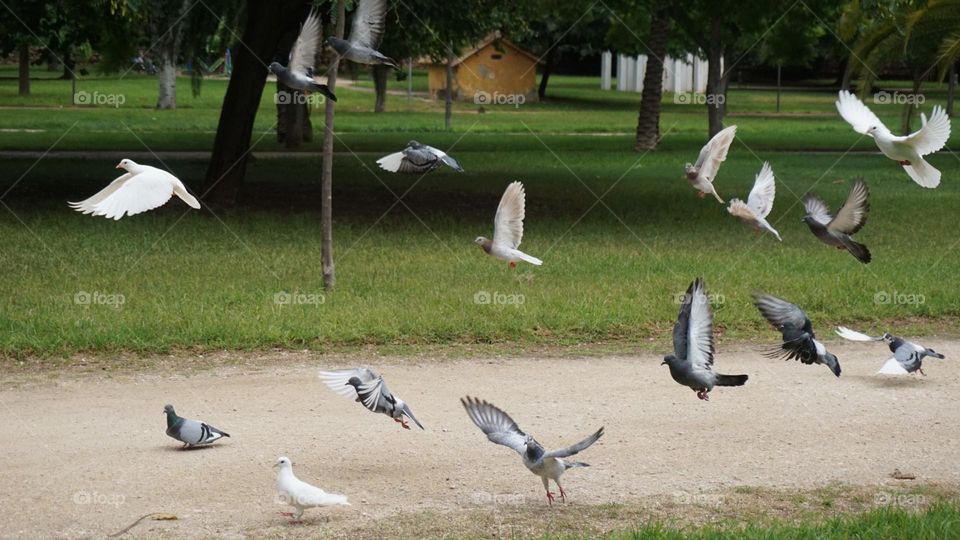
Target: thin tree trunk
[
  {"x": 648, "y": 120},
  {"x": 548, "y": 67},
  {"x": 167, "y": 81},
  {"x": 448, "y": 98},
  {"x": 24, "y": 69},
  {"x": 326, "y": 185},
  {"x": 380, "y": 74},
  {"x": 911, "y": 104},
  {"x": 716, "y": 92}
]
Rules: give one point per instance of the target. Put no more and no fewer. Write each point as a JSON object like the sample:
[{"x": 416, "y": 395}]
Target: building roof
[{"x": 482, "y": 44}]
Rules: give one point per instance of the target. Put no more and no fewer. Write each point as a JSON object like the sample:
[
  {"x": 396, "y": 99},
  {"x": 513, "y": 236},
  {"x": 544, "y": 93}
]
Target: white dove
[
  {"x": 907, "y": 150},
  {"x": 142, "y": 188},
  {"x": 300, "y": 494},
  {"x": 759, "y": 203},
  {"x": 702, "y": 174},
  {"x": 508, "y": 229}
]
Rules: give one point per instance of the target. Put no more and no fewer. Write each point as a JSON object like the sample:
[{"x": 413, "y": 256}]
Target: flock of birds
[{"x": 143, "y": 188}]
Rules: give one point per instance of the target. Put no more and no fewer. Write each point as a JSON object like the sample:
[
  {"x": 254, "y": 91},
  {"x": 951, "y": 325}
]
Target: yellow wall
[{"x": 497, "y": 73}]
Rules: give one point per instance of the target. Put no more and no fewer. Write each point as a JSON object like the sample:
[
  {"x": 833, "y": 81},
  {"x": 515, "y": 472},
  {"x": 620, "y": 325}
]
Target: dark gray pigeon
[
  {"x": 501, "y": 429},
  {"x": 417, "y": 158},
  {"x": 366, "y": 32},
  {"x": 907, "y": 357},
  {"x": 691, "y": 364},
  {"x": 367, "y": 387},
  {"x": 799, "y": 341},
  {"x": 836, "y": 231},
  {"x": 190, "y": 432},
  {"x": 299, "y": 71}
]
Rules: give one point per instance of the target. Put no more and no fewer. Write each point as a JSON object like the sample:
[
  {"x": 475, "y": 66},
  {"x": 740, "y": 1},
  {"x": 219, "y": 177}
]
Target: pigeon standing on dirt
[
  {"x": 366, "y": 32},
  {"x": 691, "y": 364},
  {"x": 417, "y": 158},
  {"x": 300, "y": 494},
  {"x": 907, "y": 357},
  {"x": 140, "y": 189},
  {"x": 367, "y": 387},
  {"x": 702, "y": 174},
  {"x": 501, "y": 429},
  {"x": 190, "y": 432},
  {"x": 759, "y": 204},
  {"x": 836, "y": 231},
  {"x": 799, "y": 341},
  {"x": 508, "y": 229},
  {"x": 299, "y": 71},
  {"x": 907, "y": 150}
]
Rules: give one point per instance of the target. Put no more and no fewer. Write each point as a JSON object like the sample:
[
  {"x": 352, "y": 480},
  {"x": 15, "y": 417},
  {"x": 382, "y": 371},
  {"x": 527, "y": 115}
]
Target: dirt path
[{"x": 86, "y": 456}]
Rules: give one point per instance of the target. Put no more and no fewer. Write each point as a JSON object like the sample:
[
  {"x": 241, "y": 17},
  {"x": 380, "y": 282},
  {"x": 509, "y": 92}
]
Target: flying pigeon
[
  {"x": 501, "y": 429},
  {"x": 799, "y": 341},
  {"x": 190, "y": 432},
  {"x": 907, "y": 150},
  {"x": 140, "y": 189},
  {"x": 366, "y": 32},
  {"x": 368, "y": 387},
  {"x": 300, "y": 494},
  {"x": 836, "y": 231},
  {"x": 417, "y": 158},
  {"x": 907, "y": 357},
  {"x": 692, "y": 362},
  {"x": 508, "y": 229},
  {"x": 299, "y": 71},
  {"x": 759, "y": 203},
  {"x": 702, "y": 175}
]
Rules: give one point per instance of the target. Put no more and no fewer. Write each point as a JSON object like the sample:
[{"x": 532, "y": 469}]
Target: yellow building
[{"x": 495, "y": 71}]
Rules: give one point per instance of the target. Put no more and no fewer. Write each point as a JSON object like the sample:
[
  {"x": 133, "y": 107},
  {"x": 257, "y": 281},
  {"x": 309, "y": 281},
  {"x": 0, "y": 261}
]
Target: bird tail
[
  {"x": 730, "y": 380},
  {"x": 923, "y": 173},
  {"x": 529, "y": 258},
  {"x": 858, "y": 250},
  {"x": 714, "y": 193},
  {"x": 574, "y": 464},
  {"x": 323, "y": 89},
  {"x": 934, "y": 354},
  {"x": 392, "y": 162},
  {"x": 187, "y": 197}
]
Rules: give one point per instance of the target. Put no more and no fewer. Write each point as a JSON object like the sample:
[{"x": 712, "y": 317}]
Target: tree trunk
[
  {"x": 68, "y": 65},
  {"x": 293, "y": 117},
  {"x": 326, "y": 183},
  {"x": 24, "y": 69},
  {"x": 380, "y": 74},
  {"x": 648, "y": 120},
  {"x": 911, "y": 104},
  {"x": 549, "y": 65},
  {"x": 448, "y": 98},
  {"x": 167, "y": 81},
  {"x": 716, "y": 80},
  {"x": 951, "y": 88}
]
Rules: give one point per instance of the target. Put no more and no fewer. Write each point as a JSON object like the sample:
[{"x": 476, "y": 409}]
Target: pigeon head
[
  {"x": 414, "y": 144},
  {"x": 127, "y": 165},
  {"x": 283, "y": 462},
  {"x": 168, "y": 409},
  {"x": 339, "y": 45},
  {"x": 887, "y": 337},
  {"x": 668, "y": 360},
  {"x": 275, "y": 67},
  {"x": 691, "y": 171},
  {"x": 871, "y": 130},
  {"x": 483, "y": 242}
]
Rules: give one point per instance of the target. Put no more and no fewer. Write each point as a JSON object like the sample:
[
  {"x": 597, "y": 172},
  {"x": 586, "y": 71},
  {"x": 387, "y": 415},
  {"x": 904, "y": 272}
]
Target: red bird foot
[
  {"x": 905, "y": 162},
  {"x": 550, "y": 497},
  {"x": 563, "y": 495},
  {"x": 402, "y": 422},
  {"x": 702, "y": 394},
  {"x": 513, "y": 264},
  {"x": 841, "y": 248},
  {"x": 701, "y": 194}
]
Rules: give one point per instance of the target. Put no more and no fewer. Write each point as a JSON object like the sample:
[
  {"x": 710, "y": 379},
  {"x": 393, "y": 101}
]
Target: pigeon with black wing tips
[
  {"x": 190, "y": 432},
  {"x": 368, "y": 388},
  {"x": 907, "y": 356},
  {"x": 836, "y": 231},
  {"x": 799, "y": 341},
  {"x": 299, "y": 71},
  {"x": 417, "y": 158}
]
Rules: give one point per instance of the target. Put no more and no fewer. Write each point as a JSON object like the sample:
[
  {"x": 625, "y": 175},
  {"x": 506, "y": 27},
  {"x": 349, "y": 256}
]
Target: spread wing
[
  {"x": 339, "y": 380},
  {"x": 87, "y": 205},
  {"x": 508, "y": 223},
  {"x": 368, "y": 23},
  {"x": 136, "y": 194},
  {"x": 693, "y": 332},
  {"x": 853, "y": 216},
  {"x": 933, "y": 135},
  {"x": 817, "y": 209},
  {"x": 304, "y": 51},
  {"x": 780, "y": 313},
  {"x": 497, "y": 425},
  {"x": 857, "y": 114},
  {"x": 853, "y": 335},
  {"x": 714, "y": 153},
  {"x": 576, "y": 448},
  {"x": 763, "y": 192}
]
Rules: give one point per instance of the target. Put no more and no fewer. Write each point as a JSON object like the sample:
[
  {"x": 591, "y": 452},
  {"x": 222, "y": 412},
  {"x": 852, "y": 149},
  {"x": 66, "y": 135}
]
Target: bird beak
[
  {"x": 118, "y": 166},
  {"x": 662, "y": 363},
  {"x": 274, "y": 466}
]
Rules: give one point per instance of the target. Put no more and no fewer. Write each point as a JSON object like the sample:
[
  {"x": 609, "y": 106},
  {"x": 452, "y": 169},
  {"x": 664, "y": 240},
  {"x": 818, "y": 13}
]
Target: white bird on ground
[
  {"x": 140, "y": 189},
  {"x": 702, "y": 174},
  {"x": 759, "y": 204},
  {"x": 300, "y": 494},
  {"x": 508, "y": 229},
  {"x": 908, "y": 150}
]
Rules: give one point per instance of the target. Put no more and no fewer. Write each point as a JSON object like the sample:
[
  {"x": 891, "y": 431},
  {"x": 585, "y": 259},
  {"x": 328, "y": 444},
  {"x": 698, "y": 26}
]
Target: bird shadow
[
  {"x": 169, "y": 448},
  {"x": 907, "y": 381}
]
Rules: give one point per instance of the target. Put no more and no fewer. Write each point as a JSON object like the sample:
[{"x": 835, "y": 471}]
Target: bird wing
[
  {"x": 448, "y": 160},
  {"x": 144, "y": 191},
  {"x": 853, "y": 216},
  {"x": 853, "y": 335},
  {"x": 498, "y": 425},
  {"x": 508, "y": 223},
  {"x": 933, "y": 135},
  {"x": 368, "y": 23},
  {"x": 893, "y": 367},
  {"x": 338, "y": 380},
  {"x": 817, "y": 209},
  {"x": 857, "y": 114},
  {"x": 419, "y": 156},
  {"x": 372, "y": 391},
  {"x": 87, "y": 205},
  {"x": 693, "y": 332},
  {"x": 576, "y": 448},
  {"x": 714, "y": 153},
  {"x": 763, "y": 192},
  {"x": 303, "y": 55},
  {"x": 780, "y": 313}
]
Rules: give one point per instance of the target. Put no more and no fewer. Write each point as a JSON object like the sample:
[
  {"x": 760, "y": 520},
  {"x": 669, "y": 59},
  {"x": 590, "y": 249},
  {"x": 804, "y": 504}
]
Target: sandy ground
[{"x": 86, "y": 455}]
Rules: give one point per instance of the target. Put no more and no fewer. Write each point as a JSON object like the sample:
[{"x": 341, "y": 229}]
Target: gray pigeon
[
  {"x": 907, "y": 357},
  {"x": 190, "y": 432},
  {"x": 799, "y": 341},
  {"x": 417, "y": 158},
  {"x": 366, "y": 32},
  {"x": 836, "y": 231},
  {"x": 692, "y": 362},
  {"x": 299, "y": 71},
  {"x": 501, "y": 429},
  {"x": 367, "y": 387}
]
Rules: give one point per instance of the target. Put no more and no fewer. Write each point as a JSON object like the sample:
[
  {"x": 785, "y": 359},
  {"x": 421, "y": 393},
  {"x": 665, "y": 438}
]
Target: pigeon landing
[
  {"x": 702, "y": 174},
  {"x": 508, "y": 229},
  {"x": 501, "y": 429},
  {"x": 299, "y": 71},
  {"x": 300, "y": 494},
  {"x": 759, "y": 204},
  {"x": 142, "y": 188},
  {"x": 907, "y": 357},
  {"x": 836, "y": 231},
  {"x": 366, "y": 32},
  {"x": 190, "y": 432},
  {"x": 367, "y": 387},
  {"x": 907, "y": 150},
  {"x": 417, "y": 158},
  {"x": 799, "y": 341},
  {"x": 691, "y": 364}
]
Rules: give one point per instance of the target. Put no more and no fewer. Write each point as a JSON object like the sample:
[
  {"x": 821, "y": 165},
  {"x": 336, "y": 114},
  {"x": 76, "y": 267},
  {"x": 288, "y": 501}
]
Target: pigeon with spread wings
[
  {"x": 140, "y": 189},
  {"x": 366, "y": 33},
  {"x": 508, "y": 229},
  {"x": 799, "y": 341},
  {"x": 837, "y": 231},
  {"x": 907, "y": 356},
  {"x": 702, "y": 174},
  {"x": 368, "y": 388},
  {"x": 299, "y": 71},
  {"x": 417, "y": 158},
  {"x": 759, "y": 204}
]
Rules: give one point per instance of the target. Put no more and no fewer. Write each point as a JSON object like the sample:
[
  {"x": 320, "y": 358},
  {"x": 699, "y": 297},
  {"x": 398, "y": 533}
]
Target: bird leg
[
  {"x": 513, "y": 264},
  {"x": 920, "y": 370},
  {"x": 841, "y": 248},
  {"x": 701, "y": 194},
  {"x": 402, "y": 422},
  {"x": 905, "y": 162},
  {"x": 563, "y": 494},
  {"x": 756, "y": 232},
  {"x": 550, "y": 497},
  {"x": 702, "y": 394}
]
